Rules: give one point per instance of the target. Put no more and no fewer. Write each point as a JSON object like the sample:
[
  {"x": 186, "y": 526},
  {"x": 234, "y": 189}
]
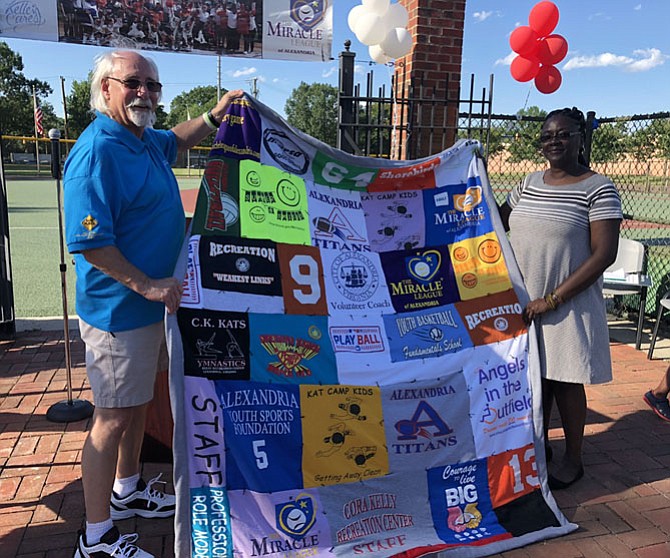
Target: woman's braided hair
[{"x": 577, "y": 116}]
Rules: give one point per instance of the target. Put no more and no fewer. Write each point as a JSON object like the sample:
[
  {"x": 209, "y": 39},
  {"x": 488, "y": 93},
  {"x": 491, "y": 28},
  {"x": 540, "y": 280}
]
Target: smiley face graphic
[
  {"x": 461, "y": 254},
  {"x": 288, "y": 193},
  {"x": 253, "y": 179},
  {"x": 489, "y": 251}
]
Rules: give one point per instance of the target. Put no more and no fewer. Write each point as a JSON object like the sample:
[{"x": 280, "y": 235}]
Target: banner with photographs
[
  {"x": 278, "y": 29},
  {"x": 349, "y": 368}
]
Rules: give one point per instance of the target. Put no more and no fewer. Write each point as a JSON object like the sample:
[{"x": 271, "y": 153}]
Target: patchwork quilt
[{"x": 350, "y": 373}]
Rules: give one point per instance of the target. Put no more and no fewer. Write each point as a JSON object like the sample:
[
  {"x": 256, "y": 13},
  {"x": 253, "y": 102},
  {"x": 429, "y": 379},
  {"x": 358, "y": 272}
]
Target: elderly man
[{"x": 125, "y": 225}]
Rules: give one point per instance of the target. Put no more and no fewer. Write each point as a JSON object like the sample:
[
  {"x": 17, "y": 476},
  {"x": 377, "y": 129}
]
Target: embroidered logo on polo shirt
[{"x": 89, "y": 223}]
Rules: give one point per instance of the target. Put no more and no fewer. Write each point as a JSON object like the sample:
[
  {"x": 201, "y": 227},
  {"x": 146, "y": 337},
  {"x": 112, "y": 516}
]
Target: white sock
[
  {"x": 125, "y": 487},
  {"x": 96, "y": 530}
]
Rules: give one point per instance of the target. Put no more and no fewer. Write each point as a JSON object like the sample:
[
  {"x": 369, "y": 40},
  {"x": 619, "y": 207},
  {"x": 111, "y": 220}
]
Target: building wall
[{"x": 437, "y": 29}]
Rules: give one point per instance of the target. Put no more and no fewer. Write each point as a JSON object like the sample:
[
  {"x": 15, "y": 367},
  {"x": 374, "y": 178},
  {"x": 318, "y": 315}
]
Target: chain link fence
[{"x": 634, "y": 151}]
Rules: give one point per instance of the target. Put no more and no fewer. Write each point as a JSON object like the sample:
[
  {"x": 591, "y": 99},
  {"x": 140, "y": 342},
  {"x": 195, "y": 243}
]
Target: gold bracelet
[
  {"x": 553, "y": 300},
  {"x": 550, "y": 302}
]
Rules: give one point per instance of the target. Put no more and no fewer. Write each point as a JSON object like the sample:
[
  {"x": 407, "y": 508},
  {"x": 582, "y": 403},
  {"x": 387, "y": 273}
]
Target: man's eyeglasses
[
  {"x": 134, "y": 84},
  {"x": 563, "y": 135}
]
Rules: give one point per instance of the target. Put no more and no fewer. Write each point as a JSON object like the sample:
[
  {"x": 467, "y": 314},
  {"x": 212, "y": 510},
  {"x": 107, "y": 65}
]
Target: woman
[{"x": 564, "y": 230}]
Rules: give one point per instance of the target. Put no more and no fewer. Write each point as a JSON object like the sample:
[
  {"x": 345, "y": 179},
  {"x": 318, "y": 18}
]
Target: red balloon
[
  {"x": 523, "y": 40},
  {"x": 523, "y": 68},
  {"x": 552, "y": 49},
  {"x": 548, "y": 79},
  {"x": 543, "y": 18}
]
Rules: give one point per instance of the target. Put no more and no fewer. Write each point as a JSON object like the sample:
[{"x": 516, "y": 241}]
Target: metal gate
[{"x": 404, "y": 120}]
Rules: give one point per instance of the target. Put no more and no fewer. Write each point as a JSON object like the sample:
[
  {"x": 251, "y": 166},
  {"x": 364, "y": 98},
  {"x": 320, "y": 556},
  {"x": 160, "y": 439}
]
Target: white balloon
[
  {"x": 354, "y": 16},
  {"x": 378, "y": 55},
  {"x": 396, "y": 16},
  {"x": 370, "y": 29},
  {"x": 397, "y": 43},
  {"x": 378, "y": 7}
]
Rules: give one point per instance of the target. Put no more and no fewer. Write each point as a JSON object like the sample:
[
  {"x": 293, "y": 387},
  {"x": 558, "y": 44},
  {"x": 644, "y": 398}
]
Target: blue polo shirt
[{"x": 120, "y": 191}]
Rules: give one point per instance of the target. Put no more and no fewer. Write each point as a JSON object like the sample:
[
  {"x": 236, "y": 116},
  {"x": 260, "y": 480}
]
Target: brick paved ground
[{"x": 622, "y": 505}]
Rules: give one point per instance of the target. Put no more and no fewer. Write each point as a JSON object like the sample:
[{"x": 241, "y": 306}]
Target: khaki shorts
[{"x": 122, "y": 366}]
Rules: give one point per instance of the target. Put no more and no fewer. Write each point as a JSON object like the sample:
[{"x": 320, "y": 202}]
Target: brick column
[{"x": 435, "y": 63}]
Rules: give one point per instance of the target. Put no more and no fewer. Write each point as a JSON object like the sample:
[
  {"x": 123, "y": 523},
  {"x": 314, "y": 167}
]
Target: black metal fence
[{"x": 406, "y": 120}]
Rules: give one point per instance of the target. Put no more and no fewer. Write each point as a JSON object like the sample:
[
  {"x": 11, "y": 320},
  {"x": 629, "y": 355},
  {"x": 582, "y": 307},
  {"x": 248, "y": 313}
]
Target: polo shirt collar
[{"x": 120, "y": 132}]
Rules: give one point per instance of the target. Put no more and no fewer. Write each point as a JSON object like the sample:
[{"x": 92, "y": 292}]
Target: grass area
[{"x": 35, "y": 247}]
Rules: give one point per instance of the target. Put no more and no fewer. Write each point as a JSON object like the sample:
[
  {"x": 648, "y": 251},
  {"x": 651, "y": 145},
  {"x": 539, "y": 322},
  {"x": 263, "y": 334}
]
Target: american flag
[{"x": 39, "y": 127}]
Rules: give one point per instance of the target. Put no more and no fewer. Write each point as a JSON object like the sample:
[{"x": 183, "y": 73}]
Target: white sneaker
[
  {"x": 144, "y": 502},
  {"x": 111, "y": 545}
]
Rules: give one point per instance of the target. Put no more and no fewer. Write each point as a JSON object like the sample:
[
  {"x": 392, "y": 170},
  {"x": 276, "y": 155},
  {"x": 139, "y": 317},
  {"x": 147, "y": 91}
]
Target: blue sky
[{"x": 617, "y": 63}]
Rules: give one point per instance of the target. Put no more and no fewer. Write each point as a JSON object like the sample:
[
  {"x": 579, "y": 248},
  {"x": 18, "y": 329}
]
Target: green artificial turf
[{"x": 35, "y": 248}]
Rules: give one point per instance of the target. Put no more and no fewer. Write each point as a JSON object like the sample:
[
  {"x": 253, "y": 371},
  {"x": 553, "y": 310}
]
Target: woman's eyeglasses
[
  {"x": 563, "y": 135},
  {"x": 134, "y": 84}
]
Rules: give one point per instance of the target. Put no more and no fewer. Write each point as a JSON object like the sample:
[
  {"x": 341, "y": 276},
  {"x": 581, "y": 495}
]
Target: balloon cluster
[
  {"x": 382, "y": 27},
  {"x": 538, "y": 50}
]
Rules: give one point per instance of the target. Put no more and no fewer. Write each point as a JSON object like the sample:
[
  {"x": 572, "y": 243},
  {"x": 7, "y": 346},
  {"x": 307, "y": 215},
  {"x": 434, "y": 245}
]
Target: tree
[
  {"x": 374, "y": 138},
  {"x": 313, "y": 109},
  {"x": 161, "y": 118},
  {"x": 16, "y": 97},
  {"x": 525, "y": 144},
  {"x": 79, "y": 114},
  {"x": 191, "y": 104},
  {"x": 642, "y": 147},
  {"x": 608, "y": 143},
  {"x": 497, "y": 137},
  {"x": 661, "y": 129},
  {"x": 497, "y": 141}
]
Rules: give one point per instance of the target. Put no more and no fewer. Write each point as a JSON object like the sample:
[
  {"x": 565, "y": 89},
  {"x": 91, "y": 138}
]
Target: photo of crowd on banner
[{"x": 208, "y": 26}]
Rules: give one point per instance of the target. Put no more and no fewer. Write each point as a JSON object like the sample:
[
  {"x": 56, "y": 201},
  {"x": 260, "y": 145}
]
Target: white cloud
[
  {"x": 651, "y": 57},
  {"x": 597, "y": 61},
  {"x": 643, "y": 60},
  {"x": 505, "y": 61},
  {"x": 244, "y": 72},
  {"x": 329, "y": 72},
  {"x": 481, "y": 16},
  {"x": 638, "y": 7},
  {"x": 599, "y": 16},
  {"x": 359, "y": 69}
]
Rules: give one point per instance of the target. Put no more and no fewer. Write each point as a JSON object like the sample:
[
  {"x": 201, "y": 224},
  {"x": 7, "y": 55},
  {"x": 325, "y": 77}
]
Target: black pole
[
  {"x": 7, "y": 316},
  {"x": 591, "y": 124},
  {"x": 345, "y": 95},
  {"x": 71, "y": 409}
]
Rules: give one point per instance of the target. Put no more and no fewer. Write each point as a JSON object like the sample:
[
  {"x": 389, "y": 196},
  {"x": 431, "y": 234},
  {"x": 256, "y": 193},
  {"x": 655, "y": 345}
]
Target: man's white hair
[{"x": 104, "y": 67}]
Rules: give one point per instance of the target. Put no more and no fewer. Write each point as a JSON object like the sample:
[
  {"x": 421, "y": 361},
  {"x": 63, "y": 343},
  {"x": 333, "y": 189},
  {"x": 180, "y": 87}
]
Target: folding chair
[{"x": 626, "y": 277}]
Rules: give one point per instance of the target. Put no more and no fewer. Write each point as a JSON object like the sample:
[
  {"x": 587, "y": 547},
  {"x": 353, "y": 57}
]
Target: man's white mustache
[{"x": 141, "y": 104}]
